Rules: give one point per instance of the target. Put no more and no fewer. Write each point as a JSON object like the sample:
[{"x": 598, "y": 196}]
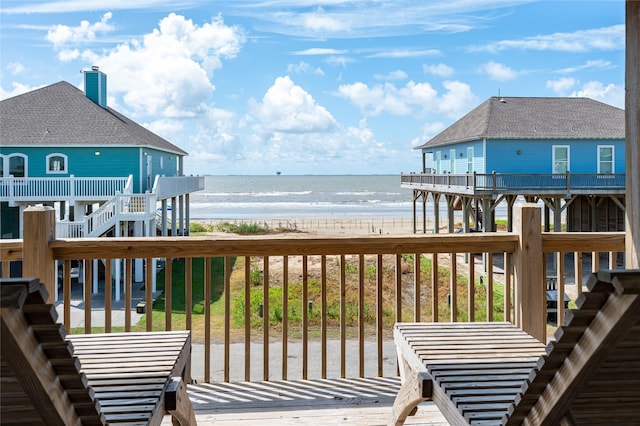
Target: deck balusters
[{"x": 371, "y": 283}]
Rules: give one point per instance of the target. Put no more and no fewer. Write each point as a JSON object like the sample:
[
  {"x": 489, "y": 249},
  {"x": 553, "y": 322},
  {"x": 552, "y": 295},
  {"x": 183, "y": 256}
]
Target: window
[
  {"x": 470, "y": 159},
  {"x": 452, "y": 161},
  {"x": 18, "y": 165},
  {"x": 560, "y": 159},
  {"x": 605, "y": 159},
  {"x": 438, "y": 170},
  {"x": 56, "y": 163}
]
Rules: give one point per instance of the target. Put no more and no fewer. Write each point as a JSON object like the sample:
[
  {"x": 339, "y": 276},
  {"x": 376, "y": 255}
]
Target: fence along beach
[{"x": 358, "y": 204}]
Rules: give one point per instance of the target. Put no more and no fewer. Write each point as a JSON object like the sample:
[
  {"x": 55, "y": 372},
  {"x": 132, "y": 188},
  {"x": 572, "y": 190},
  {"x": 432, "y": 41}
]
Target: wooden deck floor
[{"x": 311, "y": 402}]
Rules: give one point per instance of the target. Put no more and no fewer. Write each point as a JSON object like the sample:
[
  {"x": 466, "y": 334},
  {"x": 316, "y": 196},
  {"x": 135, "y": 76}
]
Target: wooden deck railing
[
  {"x": 511, "y": 183},
  {"x": 308, "y": 288}
]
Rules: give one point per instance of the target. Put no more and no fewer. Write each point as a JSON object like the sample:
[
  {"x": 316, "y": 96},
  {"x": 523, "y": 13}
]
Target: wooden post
[
  {"x": 37, "y": 257},
  {"x": 632, "y": 111},
  {"x": 530, "y": 296}
]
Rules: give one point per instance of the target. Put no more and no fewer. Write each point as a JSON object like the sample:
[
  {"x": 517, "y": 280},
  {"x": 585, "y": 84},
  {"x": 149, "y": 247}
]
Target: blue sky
[{"x": 312, "y": 87}]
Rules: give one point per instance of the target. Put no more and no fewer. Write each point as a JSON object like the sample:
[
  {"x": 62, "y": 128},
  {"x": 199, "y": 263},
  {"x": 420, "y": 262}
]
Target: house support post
[
  {"x": 164, "y": 218},
  {"x": 117, "y": 229},
  {"x": 138, "y": 263},
  {"x": 487, "y": 222},
  {"x": 632, "y": 112},
  {"x": 415, "y": 197},
  {"x": 466, "y": 207},
  {"x": 187, "y": 214},
  {"x": 436, "y": 213},
  {"x": 529, "y": 290},
  {"x": 174, "y": 212},
  {"x": 424, "y": 212},
  {"x": 557, "y": 215},
  {"x": 37, "y": 256},
  {"x": 451, "y": 199},
  {"x": 511, "y": 199},
  {"x": 181, "y": 215}
]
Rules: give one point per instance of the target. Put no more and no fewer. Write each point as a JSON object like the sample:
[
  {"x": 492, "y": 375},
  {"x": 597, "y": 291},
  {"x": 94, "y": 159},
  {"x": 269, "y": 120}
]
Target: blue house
[
  {"x": 568, "y": 153},
  {"x": 104, "y": 174},
  {"x": 68, "y": 149}
]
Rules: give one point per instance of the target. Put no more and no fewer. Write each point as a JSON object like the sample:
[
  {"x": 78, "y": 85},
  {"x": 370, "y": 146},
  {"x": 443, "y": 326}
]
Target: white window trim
[
  {"x": 7, "y": 170},
  {"x": 65, "y": 164},
  {"x": 553, "y": 159},
  {"x": 613, "y": 157},
  {"x": 469, "y": 159}
]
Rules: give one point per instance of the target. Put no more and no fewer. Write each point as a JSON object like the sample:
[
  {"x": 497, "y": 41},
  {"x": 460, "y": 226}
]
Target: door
[{"x": 149, "y": 172}]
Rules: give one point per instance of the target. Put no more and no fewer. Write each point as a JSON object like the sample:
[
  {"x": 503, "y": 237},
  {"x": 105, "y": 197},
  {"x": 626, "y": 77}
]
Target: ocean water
[{"x": 282, "y": 196}]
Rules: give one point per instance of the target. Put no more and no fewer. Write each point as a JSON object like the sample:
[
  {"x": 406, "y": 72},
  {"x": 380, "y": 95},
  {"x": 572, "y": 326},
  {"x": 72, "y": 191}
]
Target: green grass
[
  {"x": 295, "y": 307},
  {"x": 253, "y": 228},
  {"x": 178, "y": 296}
]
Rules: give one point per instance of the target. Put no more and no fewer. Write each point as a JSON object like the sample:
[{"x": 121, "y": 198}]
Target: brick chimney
[{"x": 95, "y": 86}]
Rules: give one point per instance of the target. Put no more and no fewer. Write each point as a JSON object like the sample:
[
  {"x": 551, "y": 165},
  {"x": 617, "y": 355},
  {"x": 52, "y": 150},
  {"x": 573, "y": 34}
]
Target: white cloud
[
  {"x": 595, "y": 64},
  {"x": 440, "y": 70},
  {"x": 318, "y": 21},
  {"x": 17, "y": 89},
  {"x": 410, "y": 99},
  {"x": 15, "y": 68},
  {"x": 338, "y": 61},
  {"x": 319, "y": 51},
  {"x": 457, "y": 100},
  {"x": 61, "y": 35},
  {"x": 66, "y": 6},
  {"x": 370, "y": 18},
  {"x": 215, "y": 141},
  {"x": 393, "y": 75},
  {"x": 606, "y": 38},
  {"x": 405, "y": 53},
  {"x": 288, "y": 108},
  {"x": 67, "y": 55},
  {"x": 610, "y": 94},
  {"x": 304, "y": 68},
  {"x": 562, "y": 85},
  {"x": 168, "y": 72},
  {"x": 428, "y": 131},
  {"x": 497, "y": 71}
]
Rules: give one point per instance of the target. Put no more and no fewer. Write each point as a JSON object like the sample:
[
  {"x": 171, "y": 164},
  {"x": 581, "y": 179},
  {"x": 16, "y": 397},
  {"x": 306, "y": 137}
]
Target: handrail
[
  {"x": 167, "y": 187},
  {"x": 122, "y": 207},
  {"x": 70, "y": 188},
  {"x": 501, "y": 182},
  {"x": 341, "y": 287}
]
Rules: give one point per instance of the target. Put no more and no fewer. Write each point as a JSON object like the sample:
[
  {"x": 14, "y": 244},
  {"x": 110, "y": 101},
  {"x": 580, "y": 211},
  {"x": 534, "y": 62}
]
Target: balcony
[
  {"x": 71, "y": 189},
  {"x": 477, "y": 184},
  {"x": 325, "y": 305},
  {"x": 167, "y": 187}
]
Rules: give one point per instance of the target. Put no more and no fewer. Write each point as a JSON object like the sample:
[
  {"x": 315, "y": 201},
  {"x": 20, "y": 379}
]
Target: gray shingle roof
[
  {"x": 61, "y": 115},
  {"x": 535, "y": 118}
]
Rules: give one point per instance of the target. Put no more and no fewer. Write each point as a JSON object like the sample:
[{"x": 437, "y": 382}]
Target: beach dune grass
[{"x": 313, "y": 284}]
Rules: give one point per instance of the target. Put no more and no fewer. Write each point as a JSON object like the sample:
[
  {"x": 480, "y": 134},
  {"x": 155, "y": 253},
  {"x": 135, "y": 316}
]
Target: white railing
[
  {"x": 123, "y": 207},
  {"x": 70, "y": 189},
  {"x": 67, "y": 229},
  {"x": 167, "y": 187}
]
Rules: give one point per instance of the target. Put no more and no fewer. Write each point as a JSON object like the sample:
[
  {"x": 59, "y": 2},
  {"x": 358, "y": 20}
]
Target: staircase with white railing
[
  {"x": 125, "y": 206},
  {"x": 121, "y": 208}
]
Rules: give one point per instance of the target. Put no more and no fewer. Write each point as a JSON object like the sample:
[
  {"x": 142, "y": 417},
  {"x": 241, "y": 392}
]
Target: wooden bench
[
  {"x": 54, "y": 379},
  {"x": 496, "y": 374}
]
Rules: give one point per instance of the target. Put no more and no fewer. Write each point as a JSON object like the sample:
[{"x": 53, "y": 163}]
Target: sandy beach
[{"x": 332, "y": 225}]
